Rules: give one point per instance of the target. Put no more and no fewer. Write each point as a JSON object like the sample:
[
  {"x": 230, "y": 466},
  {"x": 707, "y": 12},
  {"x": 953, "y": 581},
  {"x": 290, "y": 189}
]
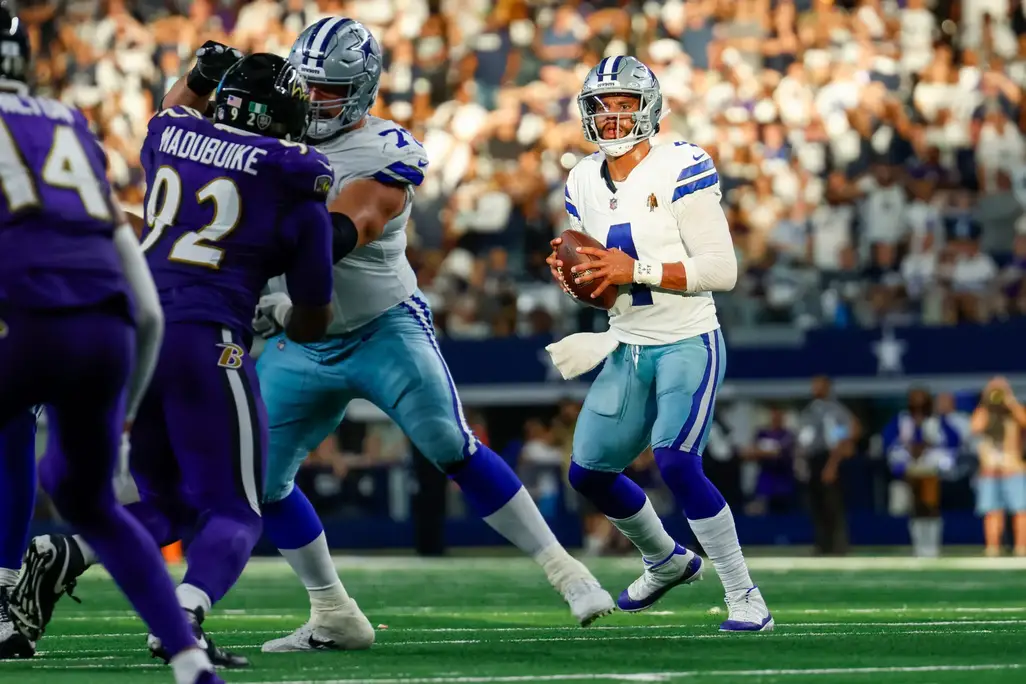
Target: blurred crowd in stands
[{"x": 871, "y": 152}]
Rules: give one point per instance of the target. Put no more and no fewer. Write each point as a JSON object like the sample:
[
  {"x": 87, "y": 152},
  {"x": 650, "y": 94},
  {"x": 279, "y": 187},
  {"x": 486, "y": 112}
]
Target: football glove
[
  {"x": 213, "y": 59},
  {"x": 271, "y": 314}
]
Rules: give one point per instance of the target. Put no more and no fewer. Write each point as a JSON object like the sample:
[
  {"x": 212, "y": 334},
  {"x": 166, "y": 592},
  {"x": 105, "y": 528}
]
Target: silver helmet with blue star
[
  {"x": 623, "y": 76},
  {"x": 338, "y": 57}
]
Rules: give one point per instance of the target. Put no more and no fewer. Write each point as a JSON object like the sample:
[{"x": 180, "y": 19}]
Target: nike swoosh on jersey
[
  {"x": 698, "y": 156},
  {"x": 421, "y": 163}
]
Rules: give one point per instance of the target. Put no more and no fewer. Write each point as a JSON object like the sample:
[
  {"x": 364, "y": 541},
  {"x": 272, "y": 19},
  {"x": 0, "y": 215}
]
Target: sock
[
  {"x": 88, "y": 555},
  {"x": 17, "y": 487},
  {"x": 188, "y": 664},
  {"x": 193, "y": 598},
  {"x": 935, "y": 535},
  {"x": 293, "y": 526},
  {"x": 718, "y": 537},
  {"x": 291, "y": 523},
  {"x": 646, "y": 532},
  {"x": 316, "y": 570},
  {"x": 497, "y": 495},
  {"x": 614, "y": 494},
  {"x": 683, "y": 475},
  {"x": 708, "y": 514},
  {"x": 219, "y": 551},
  {"x": 8, "y": 577}
]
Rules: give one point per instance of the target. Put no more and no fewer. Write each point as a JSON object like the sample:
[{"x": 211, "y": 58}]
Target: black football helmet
[
  {"x": 14, "y": 46},
  {"x": 264, "y": 94}
]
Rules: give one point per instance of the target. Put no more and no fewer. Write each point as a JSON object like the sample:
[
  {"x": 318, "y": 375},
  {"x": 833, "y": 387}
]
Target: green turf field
[{"x": 463, "y": 620}]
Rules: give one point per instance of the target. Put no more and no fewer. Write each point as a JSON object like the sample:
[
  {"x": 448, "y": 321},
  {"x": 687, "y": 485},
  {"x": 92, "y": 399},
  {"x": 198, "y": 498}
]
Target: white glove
[{"x": 270, "y": 315}]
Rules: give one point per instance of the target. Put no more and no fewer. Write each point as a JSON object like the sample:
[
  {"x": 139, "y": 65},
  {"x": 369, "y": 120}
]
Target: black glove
[{"x": 213, "y": 59}]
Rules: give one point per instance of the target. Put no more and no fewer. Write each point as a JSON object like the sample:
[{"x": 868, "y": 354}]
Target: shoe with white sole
[
  {"x": 345, "y": 629},
  {"x": 13, "y": 644},
  {"x": 747, "y": 612},
  {"x": 587, "y": 599},
  {"x": 682, "y": 566}
]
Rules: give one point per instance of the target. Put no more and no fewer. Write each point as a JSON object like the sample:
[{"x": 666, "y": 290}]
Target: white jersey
[
  {"x": 377, "y": 276},
  {"x": 667, "y": 210}
]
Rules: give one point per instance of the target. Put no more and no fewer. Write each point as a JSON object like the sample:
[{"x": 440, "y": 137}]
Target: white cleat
[
  {"x": 682, "y": 566},
  {"x": 747, "y": 612},
  {"x": 587, "y": 599},
  {"x": 345, "y": 629}
]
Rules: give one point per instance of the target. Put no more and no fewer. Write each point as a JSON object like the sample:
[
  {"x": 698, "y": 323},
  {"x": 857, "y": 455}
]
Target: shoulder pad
[
  {"x": 303, "y": 168},
  {"x": 692, "y": 167},
  {"x": 173, "y": 115},
  {"x": 397, "y": 158}
]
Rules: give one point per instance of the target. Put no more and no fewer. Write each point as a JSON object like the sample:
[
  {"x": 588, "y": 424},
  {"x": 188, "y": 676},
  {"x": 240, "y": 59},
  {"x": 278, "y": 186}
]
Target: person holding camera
[{"x": 999, "y": 421}]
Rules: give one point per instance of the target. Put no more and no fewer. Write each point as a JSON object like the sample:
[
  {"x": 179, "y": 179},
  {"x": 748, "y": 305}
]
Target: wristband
[{"x": 648, "y": 273}]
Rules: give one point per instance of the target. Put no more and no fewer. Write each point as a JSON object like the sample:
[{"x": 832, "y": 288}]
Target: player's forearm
[
  {"x": 674, "y": 277},
  {"x": 695, "y": 275},
  {"x": 307, "y": 324},
  {"x": 181, "y": 95}
]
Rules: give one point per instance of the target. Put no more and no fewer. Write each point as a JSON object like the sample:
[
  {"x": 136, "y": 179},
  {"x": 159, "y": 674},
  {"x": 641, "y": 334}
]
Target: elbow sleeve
[{"x": 344, "y": 236}]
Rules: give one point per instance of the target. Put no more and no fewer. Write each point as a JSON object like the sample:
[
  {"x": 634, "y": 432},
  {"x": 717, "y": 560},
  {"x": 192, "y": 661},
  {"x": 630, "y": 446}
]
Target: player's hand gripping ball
[{"x": 565, "y": 256}]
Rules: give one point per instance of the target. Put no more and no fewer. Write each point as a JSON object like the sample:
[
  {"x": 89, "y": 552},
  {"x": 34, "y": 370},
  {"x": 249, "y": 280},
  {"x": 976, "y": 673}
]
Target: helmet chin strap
[{"x": 617, "y": 149}]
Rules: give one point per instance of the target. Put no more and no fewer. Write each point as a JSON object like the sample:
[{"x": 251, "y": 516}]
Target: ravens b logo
[{"x": 231, "y": 356}]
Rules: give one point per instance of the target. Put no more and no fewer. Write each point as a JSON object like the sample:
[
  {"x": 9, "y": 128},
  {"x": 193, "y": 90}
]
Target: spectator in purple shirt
[{"x": 773, "y": 450}]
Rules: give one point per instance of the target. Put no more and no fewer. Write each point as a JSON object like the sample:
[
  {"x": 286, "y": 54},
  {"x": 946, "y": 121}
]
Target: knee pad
[{"x": 441, "y": 439}]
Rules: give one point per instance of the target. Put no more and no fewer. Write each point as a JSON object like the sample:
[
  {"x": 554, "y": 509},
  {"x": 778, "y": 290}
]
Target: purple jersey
[
  {"x": 56, "y": 218},
  {"x": 225, "y": 212}
]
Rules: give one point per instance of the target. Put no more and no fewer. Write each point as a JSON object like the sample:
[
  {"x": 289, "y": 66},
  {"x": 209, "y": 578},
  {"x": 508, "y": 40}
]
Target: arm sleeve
[
  {"x": 309, "y": 274},
  {"x": 712, "y": 264},
  {"x": 149, "y": 316}
]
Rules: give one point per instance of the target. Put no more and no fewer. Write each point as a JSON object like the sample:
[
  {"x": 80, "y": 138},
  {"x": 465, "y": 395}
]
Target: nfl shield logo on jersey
[{"x": 612, "y": 203}]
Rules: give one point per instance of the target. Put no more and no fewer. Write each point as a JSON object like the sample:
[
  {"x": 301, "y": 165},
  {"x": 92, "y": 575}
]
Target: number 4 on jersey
[{"x": 620, "y": 237}]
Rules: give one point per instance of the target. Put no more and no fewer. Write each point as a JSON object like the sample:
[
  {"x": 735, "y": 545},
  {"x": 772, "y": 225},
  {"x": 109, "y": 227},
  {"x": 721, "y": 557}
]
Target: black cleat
[
  {"x": 13, "y": 644},
  {"x": 218, "y": 657},
  {"x": 53, "y": 563}
]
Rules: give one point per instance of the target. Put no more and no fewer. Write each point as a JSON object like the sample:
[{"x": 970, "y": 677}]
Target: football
[{"x": 567, "y": 253}]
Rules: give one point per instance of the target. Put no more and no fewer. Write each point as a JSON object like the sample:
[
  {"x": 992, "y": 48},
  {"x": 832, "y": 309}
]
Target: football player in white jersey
[
  {"x": 380, "y": 347},
  {"x": 668, "y": 247}
]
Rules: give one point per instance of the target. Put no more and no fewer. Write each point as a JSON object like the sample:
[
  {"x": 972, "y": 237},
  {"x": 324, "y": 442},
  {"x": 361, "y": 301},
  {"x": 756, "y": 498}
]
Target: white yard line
[
  {"x": 596, "y": 638},
  {"x": 662, "y": 676}
]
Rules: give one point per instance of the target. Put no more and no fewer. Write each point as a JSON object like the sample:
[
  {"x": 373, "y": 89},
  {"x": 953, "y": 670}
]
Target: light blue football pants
[
  {"x": 658, "y": 395},
  {"x": 394, "y": 362}
]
